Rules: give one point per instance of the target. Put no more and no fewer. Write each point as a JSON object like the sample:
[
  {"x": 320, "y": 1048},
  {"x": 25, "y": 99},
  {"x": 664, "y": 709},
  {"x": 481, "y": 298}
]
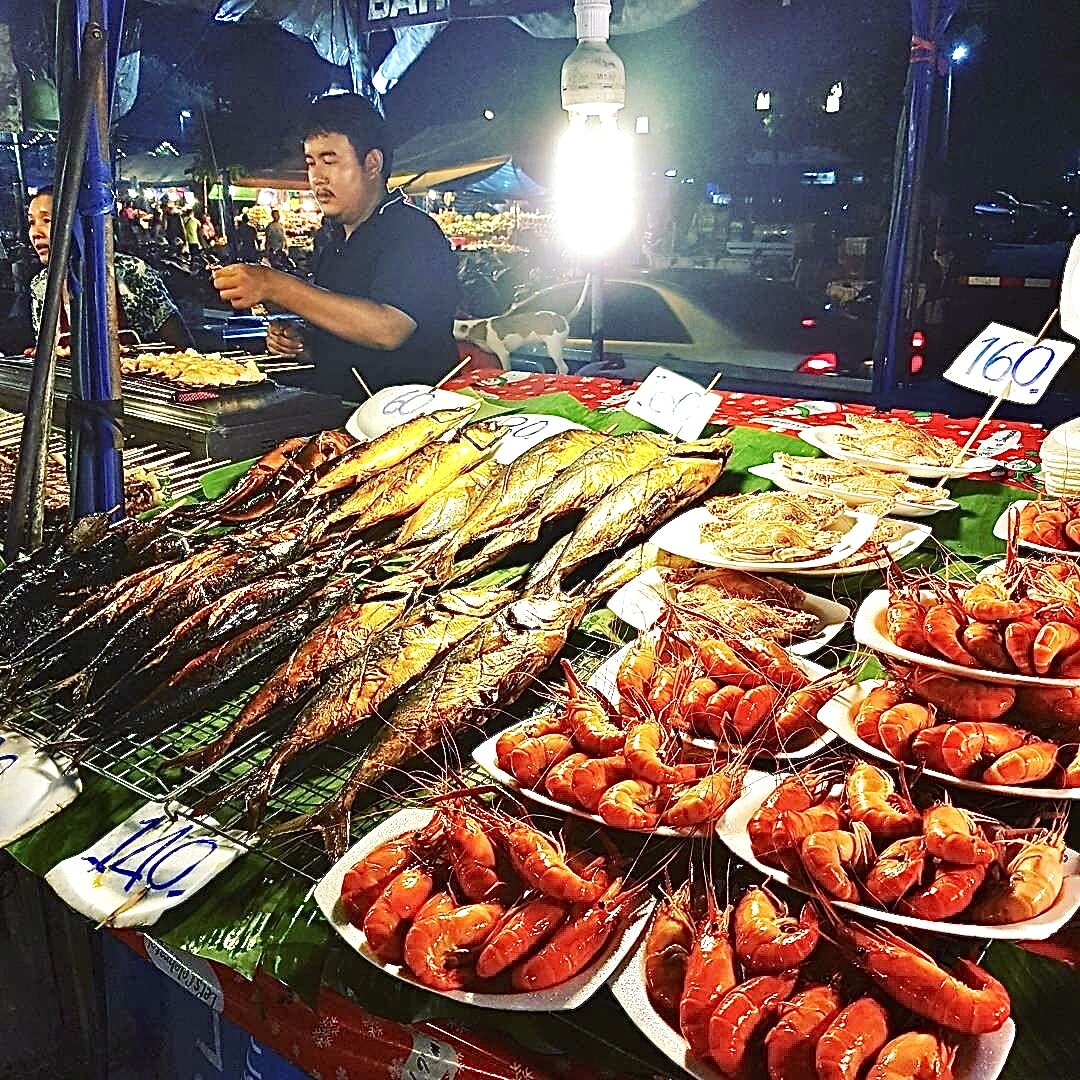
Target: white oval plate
[
  {"x": 870, "y": 631},
  {"x": 824, "y": 438},
  {"x": 603, "y": 681},
  {"x": 837, "y": 715},
  {"x": 568, "y": 995},
  {"x": 682, "y": 536},
  {"x": 388, "y": 408},
  {"x": 484, "y": 756},
  {"x": 775, "y": 474},
  {"x": 1001, "y": 531},
  {"x": 639, "y": 604},
  {"x": 732, "y": 829},
  {"x": 912, "y": 538},
  {"x": 979, "y": 1057}
]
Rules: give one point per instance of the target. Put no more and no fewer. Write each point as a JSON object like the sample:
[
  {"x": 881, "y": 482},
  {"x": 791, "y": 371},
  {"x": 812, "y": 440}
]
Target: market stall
[{"x": 234, "y": 880}]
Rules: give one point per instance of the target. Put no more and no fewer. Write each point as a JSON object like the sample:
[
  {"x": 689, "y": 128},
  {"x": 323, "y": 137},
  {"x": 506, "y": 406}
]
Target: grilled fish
[
  {"x": 403, "y": 488},
  {"x": 389, "y": 663},
  {"x": 447, "y": 510},
  {"x": 489, "y": 670},
  {"x": 636, "y": 507},
  {"x": 330, "y": 645},
  {"x": 365, "y": 460}
]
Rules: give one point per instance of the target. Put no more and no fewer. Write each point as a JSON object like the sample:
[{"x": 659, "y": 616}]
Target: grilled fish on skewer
[
  {"x": 487, "y": 671},
  {"x": 404, "y": 487},
  {"x": 389, "y": 663},
  {"x": 365, "y": 460},
  {"x": 330, "y": 645}
]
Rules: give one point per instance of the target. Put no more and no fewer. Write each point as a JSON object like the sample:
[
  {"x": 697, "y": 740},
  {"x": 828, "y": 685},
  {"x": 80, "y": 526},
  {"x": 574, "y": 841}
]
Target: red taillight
[
  {"x": 918, "y": 340},
  {"x": 916, "y": 363},
  {"x": 818, "y": 363},
  {"x": 808, "y": 323}
]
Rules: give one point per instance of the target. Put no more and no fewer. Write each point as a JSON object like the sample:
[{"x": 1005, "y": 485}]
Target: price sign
[
  {"x": 524, "y": 431},
  {"x": 193, "y": 973},
  {"x": 33, "y": 787},
  {"x": 1000, "y": 354},
  {"x": 142, "y": 868},
  {"x": 673, "y": 403},
  {"x": 392, "y": 406},
  {"x": 429, "y": 1059}
]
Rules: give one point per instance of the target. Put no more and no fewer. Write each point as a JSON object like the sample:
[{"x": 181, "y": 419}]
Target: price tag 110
[
  {"x": 33, "y": 787},
  {"x": 1001, "y": 353},
  {"x": 673, "y": 403},
  {"x": 525, "y": 430},
  {"x": 148, "y": 864}
]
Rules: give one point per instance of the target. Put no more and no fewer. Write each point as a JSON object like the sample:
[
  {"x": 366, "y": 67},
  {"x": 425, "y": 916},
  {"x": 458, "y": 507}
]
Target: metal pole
[
  {"x": 596, "y": 316},
  {"x": 947, "y": 117},
  {"x": 33, "y": 447}
]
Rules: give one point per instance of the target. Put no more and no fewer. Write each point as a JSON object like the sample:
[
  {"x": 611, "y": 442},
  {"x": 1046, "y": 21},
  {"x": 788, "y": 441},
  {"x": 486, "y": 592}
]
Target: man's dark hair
[
  {"x": 46, "y": 190},
  {"x": 350, "y": 115}
]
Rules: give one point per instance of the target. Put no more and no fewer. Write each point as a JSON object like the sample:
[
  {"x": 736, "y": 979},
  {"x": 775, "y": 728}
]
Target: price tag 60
[
  {"x": 673, "y": 403},
  {"x": 142, "y": 868},
  {"x": 1001, "y": 353},
  {"x": 33, "y": 786}
]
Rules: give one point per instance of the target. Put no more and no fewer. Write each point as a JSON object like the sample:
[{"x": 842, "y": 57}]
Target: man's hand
[
  {"x": 282, "y": 339},
  {"x": 243, "y": 285}
]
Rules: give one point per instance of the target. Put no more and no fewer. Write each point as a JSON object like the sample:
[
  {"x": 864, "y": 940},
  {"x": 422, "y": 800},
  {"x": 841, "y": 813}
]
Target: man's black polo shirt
[{"x": 398, "y": 257}]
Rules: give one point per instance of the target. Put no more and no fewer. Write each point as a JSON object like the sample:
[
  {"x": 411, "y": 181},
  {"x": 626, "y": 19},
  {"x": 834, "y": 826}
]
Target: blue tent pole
[
  {"x": 95, "y": 418},
  {"x": 929, "y": 21}
]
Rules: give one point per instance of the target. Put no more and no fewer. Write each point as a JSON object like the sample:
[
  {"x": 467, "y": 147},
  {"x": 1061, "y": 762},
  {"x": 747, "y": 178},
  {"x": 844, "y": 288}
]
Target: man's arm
[{"x": 364, "y": 322}]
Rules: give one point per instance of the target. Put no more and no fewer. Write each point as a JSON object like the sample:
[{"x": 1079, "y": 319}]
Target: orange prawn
[
  {"x": 512, "y": 738},
  {"x": 790, "y": 1045},
  {"x": 642, "y": 751},
  {"x": 968, "y": 999},
  {"x": 796, "y": 793},
  {"x": 952, "y": 836},
  {"x": 879, "y": 701},
  {"x": 774, "y": 662},
  {"x": 828, "y": 858},
  {"x": 754, "y": 708},
  {"x": 1020, "y": 637},
  {"x": 1027, "y": 764},
  {"x": 942, "y": 627},
  {"x": 529, "y": 760},
  {"x": 588, "y": 719},
  {"x": 926, "y": 748},
  {"x": 949, "y": 893},
  {"x": 705, "y": 800},
  {"x": 871, "y": 798},
  {"x": 559, "y": 782},
  {"x": 719, "y": 710},
  {"x": 1035, "y": 877},
  {"x": 959, "y": 698},
  {"x": 767, "y": 939},
  {"x": 853, "y": 1038},
  {"x": 369, "y": 876},
  {"x": 796, "y": 721},
  {"x": 472, "y": 856},
  {"x": 593, "y": 777},
  {"x": 443, "y": 935},
  {"x": 524, "y": 929},
  {"x": 984, "y": 642},
  {"x": 631, "y": 804},
  {"x": 710, "y": 973},
  {"x": 914, "y": 1056},
  {"x": 904, "y": 624},
  {"x": 794, "y": 826},
  {"x": 722, "y": 662},
  {"x": 577, "y": 942},
  {"x": 967, "y": 747},
  {"x": 900, "y": 724},
  {"x": 668, "y": 942},
  {"x": 400, "y": 900},
  {"x": 739, "y": 1015},
  {"x": 543, "y": 866},
  {"x": 899, "y": 868},
  {"x": 988, "y": 601}
]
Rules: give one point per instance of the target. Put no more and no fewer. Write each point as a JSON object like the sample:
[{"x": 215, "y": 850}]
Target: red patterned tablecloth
[{"x": 1014, "y": 443}]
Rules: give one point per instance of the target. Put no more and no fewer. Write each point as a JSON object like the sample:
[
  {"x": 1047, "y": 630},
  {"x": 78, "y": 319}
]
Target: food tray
[
  {"x": 603, "y": 681},
  {"x": 870, "y": 631},
  {"x": 775, "y": 474},
  {"x": 837, "y": 713},
  {"x": 824, "y": 439},
  {"x": 568, "y": 995},
  {"x": 484, "y": 756},
  {"x": 682, "y": 536},
  {"x": 639, "y": 605},
  {"x": 1001, "y": 531},
  {"x": 732, "y": 830},
  {"x": 979, "y": 1057},
  {"x": 913, "y": 537}
]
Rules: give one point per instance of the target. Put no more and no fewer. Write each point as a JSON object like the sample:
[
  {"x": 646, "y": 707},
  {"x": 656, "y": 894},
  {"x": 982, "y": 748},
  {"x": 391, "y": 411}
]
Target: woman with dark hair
[{"x": 384, "y": 289}]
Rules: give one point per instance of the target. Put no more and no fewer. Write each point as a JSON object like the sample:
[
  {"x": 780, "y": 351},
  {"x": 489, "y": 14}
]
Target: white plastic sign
[
  {"x": 392, "y": 406},
  {"x": 524, "y": 431},
  {"x": 1001, "y": 353},
  {"x": 146, "y": 865},
  {"x": 33, "y": 787},
  {"x": 673, "y": 403},
  {"x": 193, "y": 973}
]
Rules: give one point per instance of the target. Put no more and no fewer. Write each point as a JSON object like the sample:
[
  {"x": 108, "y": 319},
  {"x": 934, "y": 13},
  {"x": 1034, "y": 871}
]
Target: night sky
[{"x": 1014, "y": 121}]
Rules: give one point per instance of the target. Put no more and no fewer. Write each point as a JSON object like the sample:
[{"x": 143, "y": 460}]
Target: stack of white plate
[{"x": 1060, "y": 456}]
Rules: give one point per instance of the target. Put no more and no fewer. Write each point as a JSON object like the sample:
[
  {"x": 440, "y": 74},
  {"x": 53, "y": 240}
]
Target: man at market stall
[
  {"x": 384, "y": 291},
  {"x": 145, "y": 305}
]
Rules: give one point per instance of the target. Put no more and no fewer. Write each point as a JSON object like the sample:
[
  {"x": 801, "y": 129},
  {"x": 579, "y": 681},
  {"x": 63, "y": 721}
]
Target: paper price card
[
  {"x": 524, "y": 431},
  {"x": 673, "y": 403},
  {"x": 390, "y": 407},
  {"x": 142, "y": 868},
  {"x": 1000, "y": 354},
  {"x": 33, "y": 786},
  {"x": 430, "y": 1059}
]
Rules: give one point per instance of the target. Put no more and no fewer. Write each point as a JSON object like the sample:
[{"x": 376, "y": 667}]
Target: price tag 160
[
  {"x": 1001, "y": 353},
  {"x": 33, "y": 786},
  {"x": 673, "y": 403},
  {"x": 142, "y": 868}
]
